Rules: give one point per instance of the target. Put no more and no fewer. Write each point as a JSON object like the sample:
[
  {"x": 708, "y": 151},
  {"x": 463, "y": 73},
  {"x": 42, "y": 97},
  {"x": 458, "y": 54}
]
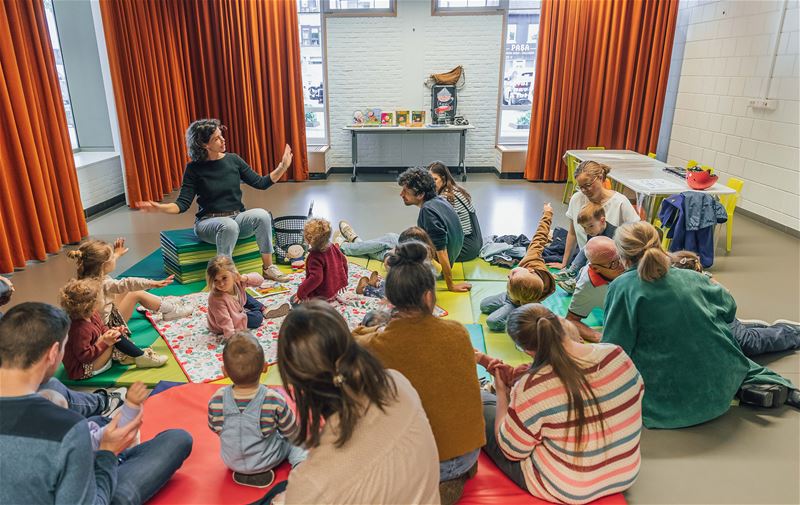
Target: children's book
[
  {"x": 387, "y": 119},
  {"x": 267, "y": 290},
  {"x": 418, "y": 118},
  {"x": 373, "y": 117},
  {"x": 358, "y": 118},
  {"x": 402, "y": 117}
]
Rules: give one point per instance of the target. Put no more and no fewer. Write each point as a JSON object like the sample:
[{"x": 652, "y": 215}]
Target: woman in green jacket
[{"x": 674, "y": 325}]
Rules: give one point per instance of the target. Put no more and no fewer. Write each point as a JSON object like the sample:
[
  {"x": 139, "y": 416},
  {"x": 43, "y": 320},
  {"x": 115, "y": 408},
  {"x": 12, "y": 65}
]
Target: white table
[
  {"x": 643, "y": 175},
  {"x": 355, "y": 131}
]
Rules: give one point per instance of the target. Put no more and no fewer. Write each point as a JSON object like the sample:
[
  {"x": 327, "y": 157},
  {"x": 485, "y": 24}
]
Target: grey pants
[
  {"x": 499, "y": 307},
  {"x": 225, "y": 231},
  {"x": 759, "y": 340}
]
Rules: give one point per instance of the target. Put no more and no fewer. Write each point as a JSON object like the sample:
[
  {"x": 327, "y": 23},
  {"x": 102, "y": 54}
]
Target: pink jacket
[{"x": 226, "y": 313}]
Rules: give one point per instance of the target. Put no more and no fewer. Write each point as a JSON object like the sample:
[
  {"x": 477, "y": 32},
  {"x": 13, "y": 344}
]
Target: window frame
[
  {"x": 500, "y": 139},
  {"x": 327, "y": 11},
  {"x": 500, "y": 8},
  {"x": 68, "y": 98},
  {"x": 326, "y": 138}
]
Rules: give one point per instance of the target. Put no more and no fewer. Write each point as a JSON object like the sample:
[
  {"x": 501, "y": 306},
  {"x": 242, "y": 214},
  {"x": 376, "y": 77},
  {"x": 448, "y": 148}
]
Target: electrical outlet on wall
[{"x": 762, "y": 103}]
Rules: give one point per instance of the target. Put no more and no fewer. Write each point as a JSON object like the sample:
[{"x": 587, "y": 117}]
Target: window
[
  {"x": 467, "y": 6},
  {"x": 359, "y": 7},
  {"x": 312, "y": 68},
  {"x": 519, "y": 63},
  {"x": 62, "y": 76}
]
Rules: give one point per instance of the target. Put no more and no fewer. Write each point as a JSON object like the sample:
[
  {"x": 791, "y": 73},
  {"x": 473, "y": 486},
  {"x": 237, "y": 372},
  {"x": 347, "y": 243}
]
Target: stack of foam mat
[{"x": 186, "y": 256}]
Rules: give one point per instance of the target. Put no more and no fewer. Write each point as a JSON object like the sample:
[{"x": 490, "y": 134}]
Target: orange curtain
[
  {"x": 601, "y": 78},
  {"x": 40, "y": 205},
  {"x": 174, "y": 61}
]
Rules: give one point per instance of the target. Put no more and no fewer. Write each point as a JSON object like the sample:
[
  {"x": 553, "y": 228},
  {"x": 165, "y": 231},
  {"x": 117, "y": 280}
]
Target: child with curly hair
[
  {"x": 96, "y": 259},
  {"x": 326, "y": 265},
  {"x": 92, "y": 345}
]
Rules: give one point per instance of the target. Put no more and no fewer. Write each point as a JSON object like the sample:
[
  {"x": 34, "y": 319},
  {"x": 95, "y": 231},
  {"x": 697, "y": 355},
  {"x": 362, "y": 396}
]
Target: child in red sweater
[
  {"x": 91, "y": 345},
  {"x": 326, "y": 266}
]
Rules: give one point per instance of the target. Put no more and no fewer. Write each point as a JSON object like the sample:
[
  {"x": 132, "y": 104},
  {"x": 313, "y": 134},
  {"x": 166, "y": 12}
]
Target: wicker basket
[{"x": 288, "y": 231}]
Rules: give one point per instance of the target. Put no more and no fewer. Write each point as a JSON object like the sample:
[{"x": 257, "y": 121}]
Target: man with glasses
[{"x": 590, "y": 290}]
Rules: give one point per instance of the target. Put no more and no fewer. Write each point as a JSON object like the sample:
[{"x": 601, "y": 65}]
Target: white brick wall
[
  {"x": 383, "y": 61},
  {"x": 726, "y": 63},
  {"x": 99, "y": 177}
]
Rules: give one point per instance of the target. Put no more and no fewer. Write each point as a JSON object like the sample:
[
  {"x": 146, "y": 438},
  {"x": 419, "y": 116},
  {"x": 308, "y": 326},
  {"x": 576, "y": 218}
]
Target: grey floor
[{"x": 746, "y": 456}]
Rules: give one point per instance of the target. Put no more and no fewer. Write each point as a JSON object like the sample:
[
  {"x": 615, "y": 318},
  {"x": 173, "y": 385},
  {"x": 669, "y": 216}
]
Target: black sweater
[{"x": 217, "y": 184}]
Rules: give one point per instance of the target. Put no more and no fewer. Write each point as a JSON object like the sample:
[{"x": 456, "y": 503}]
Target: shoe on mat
[
  {"x": 179, "y": 311},
  {"x": 568, "y": 285},
  {"x": 763, "y": 395},
  {"x": 272, "y": 273},
  {"x": 279, "y": 311},
  {"x": 348, "y": 232},
  {"x": 754, "y": 323},
  {"x": 263, "y": 479},
  {"x": 150, "y": 359},
  {"x": 374, "y": 279},
  {"x": 450, "y": 491},
  {"x": 563, "y": 274},
  {"x": 794, "y": 398},
  {"x": 114, "y": 399},
  {"x": 362, "y": 284}
]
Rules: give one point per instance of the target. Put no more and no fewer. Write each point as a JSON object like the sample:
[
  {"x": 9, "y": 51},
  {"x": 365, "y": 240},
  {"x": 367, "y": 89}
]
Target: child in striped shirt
[
  {"x": 254, "y": 422},
  {"x": 568, "y": 430}
]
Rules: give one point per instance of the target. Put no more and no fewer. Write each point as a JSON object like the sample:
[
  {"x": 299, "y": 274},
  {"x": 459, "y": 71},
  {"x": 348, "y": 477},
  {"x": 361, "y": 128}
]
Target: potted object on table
[{"x": 700, "y": 177}]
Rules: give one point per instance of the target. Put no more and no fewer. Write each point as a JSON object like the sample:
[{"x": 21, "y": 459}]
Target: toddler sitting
[
  {"x": 92, "y": 345},
  {"x": 529, "y": 282},
  {"x": 230, "y": 307},
  {"x": 253, "y": 421},
  {"x": 592, "y": 218},
  {"x": 326, "y": 266}
]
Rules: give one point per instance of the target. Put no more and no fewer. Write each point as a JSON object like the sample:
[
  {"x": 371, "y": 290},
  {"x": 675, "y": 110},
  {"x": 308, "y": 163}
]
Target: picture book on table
[
  {"x": 418, "y": 118},
  {"x": 402, "y": 117},
  {"x": 373, "y": 117},
  {"x": 358, "y": 118},
  {"x": 387, "y": 119}
]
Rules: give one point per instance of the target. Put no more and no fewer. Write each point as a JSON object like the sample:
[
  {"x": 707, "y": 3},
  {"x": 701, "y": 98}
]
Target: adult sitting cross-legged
[
  {"x": 214, "y": 176},
  {"x": 47, "y": 449},
  {"x": 438, "y": 218}
]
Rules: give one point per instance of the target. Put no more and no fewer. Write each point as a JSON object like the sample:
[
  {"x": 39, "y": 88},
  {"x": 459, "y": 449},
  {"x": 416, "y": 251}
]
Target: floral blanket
[{"x": 199, "y": 352}]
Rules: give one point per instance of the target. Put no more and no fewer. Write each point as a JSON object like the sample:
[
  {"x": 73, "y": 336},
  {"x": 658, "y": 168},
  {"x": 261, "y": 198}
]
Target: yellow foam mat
[{"x": 479, "y": 270}]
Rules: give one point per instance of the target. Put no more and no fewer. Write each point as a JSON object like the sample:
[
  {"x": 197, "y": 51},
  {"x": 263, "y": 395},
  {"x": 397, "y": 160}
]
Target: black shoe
[
  {"x": 263, "y": 479},
  {"x": 114, "y": 400},
  {"x": 794, "y": 398},
  {"x": 763, "y": 395}
]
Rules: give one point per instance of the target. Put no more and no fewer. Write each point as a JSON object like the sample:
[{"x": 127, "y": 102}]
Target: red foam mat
[{"x": 204, "y": 479}]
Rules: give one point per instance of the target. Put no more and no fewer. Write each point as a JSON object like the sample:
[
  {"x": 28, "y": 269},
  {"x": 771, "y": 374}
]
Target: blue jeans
[
  {"x": 252, "y": 308},
  {"x": 755, "y": 340},
  {"x": 225, "y": 231},
  {"x": 450, "y": 469},
  {"x": 374, "y": 249},
  {"x": 579, "y": 262},
  {"x": 512, "y": 469},
  {"x": 85, "y": 404},
  {"x": 144, "y": 469},
  {"x": 499, "y": 307}
]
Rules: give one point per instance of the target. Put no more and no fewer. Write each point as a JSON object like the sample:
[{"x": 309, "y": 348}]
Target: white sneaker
[
  {"x": 272, "y": 273},
  {"x": 347, "y": 231},
  {"x": 150, "y": 359},
  {"x": 180, "y": 310}
]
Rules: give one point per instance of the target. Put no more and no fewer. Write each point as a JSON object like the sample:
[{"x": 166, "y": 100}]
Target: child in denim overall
[{"x": 253, "y": 421}]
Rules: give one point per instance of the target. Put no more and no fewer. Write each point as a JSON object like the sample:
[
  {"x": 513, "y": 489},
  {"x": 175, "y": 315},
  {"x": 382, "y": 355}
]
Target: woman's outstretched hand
[{"x": 286, "y": 161}]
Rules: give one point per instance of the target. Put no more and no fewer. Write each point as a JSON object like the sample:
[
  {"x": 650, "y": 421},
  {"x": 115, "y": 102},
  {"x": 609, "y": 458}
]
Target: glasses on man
[
  {"x": 611, "y": 266},
  {"x": 585, "y": 187}
]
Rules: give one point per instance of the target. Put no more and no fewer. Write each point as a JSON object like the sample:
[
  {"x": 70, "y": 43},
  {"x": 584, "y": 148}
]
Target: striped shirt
[
  {"x": 537, "y": 433},
  {"x": 274, "y": 413},
  {"x": 463, "y": 208}
]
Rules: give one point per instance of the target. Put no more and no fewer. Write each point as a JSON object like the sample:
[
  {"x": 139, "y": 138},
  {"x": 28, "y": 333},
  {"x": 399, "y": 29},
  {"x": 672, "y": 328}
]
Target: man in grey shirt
[
  {"x": 47, "y": 452},
  {"x": 592, "y": 284}
]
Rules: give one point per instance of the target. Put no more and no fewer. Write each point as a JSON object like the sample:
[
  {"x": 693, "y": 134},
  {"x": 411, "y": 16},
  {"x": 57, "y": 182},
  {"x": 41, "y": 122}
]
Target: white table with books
[
  {"x": 431, "y": 129},
  {"x": 647, "y": 177}
]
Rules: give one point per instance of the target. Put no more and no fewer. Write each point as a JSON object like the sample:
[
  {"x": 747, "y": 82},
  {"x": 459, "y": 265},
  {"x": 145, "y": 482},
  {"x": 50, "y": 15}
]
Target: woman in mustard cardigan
[{"x": 436, "y": 356}]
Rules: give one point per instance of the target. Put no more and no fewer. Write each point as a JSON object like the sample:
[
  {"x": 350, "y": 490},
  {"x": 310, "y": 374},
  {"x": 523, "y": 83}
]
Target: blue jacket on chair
[{"x": 691, "y": 217}]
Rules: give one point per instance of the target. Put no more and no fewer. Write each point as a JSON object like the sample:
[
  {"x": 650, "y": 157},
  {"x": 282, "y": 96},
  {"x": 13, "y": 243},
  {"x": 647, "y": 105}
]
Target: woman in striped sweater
[
  {"x": 568, "y": 430},
  {"x": 461, "y": 201}
]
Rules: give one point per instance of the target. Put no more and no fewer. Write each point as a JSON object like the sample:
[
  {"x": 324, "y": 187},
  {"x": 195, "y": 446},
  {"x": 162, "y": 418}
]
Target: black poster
[{"x": 443, "y": 103}]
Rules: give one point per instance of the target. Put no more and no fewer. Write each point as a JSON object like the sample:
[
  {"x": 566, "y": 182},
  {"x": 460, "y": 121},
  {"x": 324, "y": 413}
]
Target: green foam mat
[
  {"x": 476, "y": 337},
  {"x": 151, "y": 267},
  {"x": 185, "y": 240}
]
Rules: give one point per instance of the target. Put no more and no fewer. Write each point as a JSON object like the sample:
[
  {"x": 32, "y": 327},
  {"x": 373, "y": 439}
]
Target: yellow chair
[
  {"x": 729, "y": 202},
  {"x": 572, "y": 163}
]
